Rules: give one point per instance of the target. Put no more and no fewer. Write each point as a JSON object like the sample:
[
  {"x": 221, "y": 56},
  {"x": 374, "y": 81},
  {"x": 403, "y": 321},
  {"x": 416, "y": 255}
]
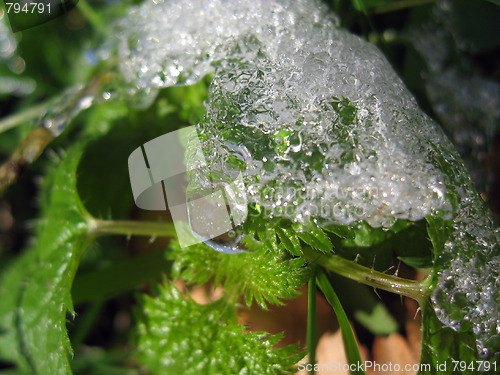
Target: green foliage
[
  {"x": 315, "y": 237},
  {"x": 98, "y": 361},
  {"x": 204, "y": 339},
  {"x": 442, "y": 348},
  {"x": 35, "y": 289},
  {"x": 174, "y": 334},
  {"x": 289, "y": 240},
  {"x": 374, "y": 247},
  {"x": 118, "y": 277},
  {"x": 264, "y": 275}
]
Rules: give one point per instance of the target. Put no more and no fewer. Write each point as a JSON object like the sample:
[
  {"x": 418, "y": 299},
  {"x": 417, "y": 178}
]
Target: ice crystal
[
  {"x": 321, "y": 123},
  {"x": 320, "y": 127}
]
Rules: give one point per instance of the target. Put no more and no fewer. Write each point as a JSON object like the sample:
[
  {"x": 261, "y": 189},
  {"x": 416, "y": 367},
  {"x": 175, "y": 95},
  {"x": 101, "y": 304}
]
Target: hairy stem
[
  {"x": 131, "y": 228},
  {"x": 418, "y": 290},
  {"x": 312, "y": 326}
]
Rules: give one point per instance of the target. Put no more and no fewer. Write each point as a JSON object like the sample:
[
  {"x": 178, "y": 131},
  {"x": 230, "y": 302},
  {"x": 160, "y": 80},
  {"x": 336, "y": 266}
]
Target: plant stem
[
  {"x": 21, "y": 117},
  {"x": 129, "y": 228},
  {"x": 418, "y": 290},
  {"x": 26, "y": 153},
  {"x": 312, "y": 326}
]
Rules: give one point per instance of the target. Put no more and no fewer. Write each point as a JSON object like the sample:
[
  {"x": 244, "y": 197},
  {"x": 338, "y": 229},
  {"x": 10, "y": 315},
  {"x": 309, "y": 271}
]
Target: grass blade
[
  {"x": 350, "y": 345},
  {"x": 312, "y": 324}
]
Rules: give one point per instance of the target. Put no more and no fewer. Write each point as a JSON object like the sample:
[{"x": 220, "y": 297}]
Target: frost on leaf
[
  {"x": 316, "y": 119},
  {"x": 321, "y": 128}
]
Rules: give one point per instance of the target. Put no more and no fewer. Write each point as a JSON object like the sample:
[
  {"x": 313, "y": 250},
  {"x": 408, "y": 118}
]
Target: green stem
[
  {"x": 312, "y": 326},
  {"x": 350, "y": 344},
  {"x": 418, "y": 290},
  {"x": 130, "y": 228},
  {"x": 27, "y": 115}
]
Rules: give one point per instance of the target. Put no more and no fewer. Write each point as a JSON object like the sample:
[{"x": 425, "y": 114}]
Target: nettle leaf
[
  {"x": 289, "y": 240},
  {"x": 441, "y": 346},
  {"x": 339, "y": 230},
  {"x": 264, "y": 275},
  {"x": 178, "y": 336},
  {"x": 35, "y": 288},
  {"x": 466, "y": 277},
  {"x": 315, "y": 237}
]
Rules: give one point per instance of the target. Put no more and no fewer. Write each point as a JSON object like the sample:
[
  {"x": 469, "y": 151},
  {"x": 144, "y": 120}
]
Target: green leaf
[
  {"x": 366, "y": 236},
  {"x": 339, "y": 230},
  {"x": 412, "y": 245},
  {"x": 312, "y": 319},
  {"x": 375, "y": 247},
  {"x": 442, "y": 345},
  {"x": 466, "y": 278},
  {"x": 359, "y": 5},
  {"x": 315, "y": 237},
  {"x": 118, "y": 277},
  {"x": 35, "y": 288},
  {"x": 367, "y": 246},
  {"x": 264, "y": 275},
  {"x": 289, "y": 239},
  {"x": 204, "y": 339}
]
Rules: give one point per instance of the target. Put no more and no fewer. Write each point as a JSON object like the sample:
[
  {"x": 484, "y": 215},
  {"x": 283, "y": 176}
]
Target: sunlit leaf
[{"x": 35, "y": 289}]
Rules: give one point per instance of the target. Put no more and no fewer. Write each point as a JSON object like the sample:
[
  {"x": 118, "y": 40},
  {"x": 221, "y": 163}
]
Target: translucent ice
[{"x": 320, "y": 127}]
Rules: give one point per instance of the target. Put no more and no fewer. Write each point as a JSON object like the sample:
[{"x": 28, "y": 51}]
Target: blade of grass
[
  {"x": 350, "y": 345},
  {"x": 312, "y": 324}
]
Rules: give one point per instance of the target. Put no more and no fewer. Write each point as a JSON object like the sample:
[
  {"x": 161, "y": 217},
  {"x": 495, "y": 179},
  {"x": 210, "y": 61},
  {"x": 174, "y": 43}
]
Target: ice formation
[
  {"x": 286, "y": 80},
  {"x": 321, "y": 128}
]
